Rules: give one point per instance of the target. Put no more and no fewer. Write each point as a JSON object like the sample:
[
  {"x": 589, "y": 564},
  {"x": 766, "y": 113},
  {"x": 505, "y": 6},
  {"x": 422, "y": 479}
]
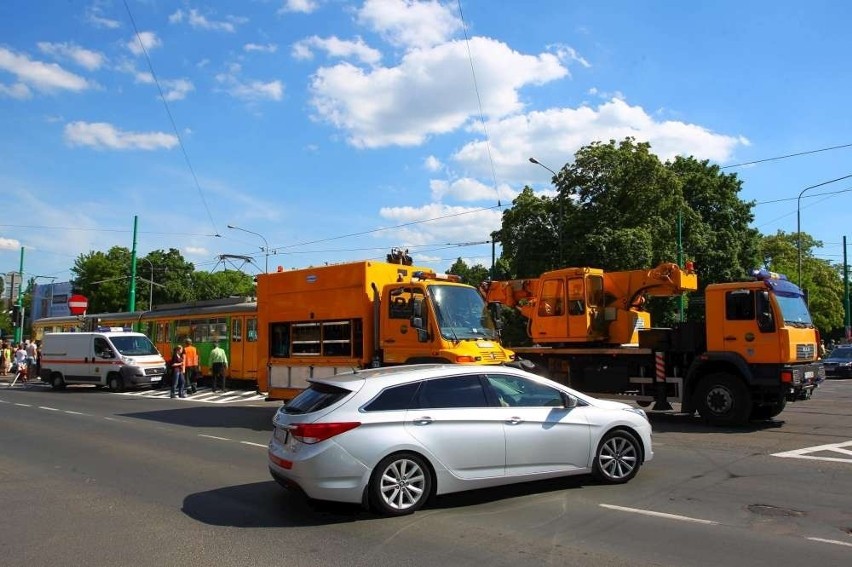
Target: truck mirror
[
  {"x": 423, "y": 335},
  {"x": 417, "y": 309},
  {"x": 417, "y": 322}
]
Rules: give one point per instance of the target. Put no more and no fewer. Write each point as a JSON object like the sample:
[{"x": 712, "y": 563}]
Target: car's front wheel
[
  {"x": 618, "y": 457},
  {"x": 400, "y": 484}
]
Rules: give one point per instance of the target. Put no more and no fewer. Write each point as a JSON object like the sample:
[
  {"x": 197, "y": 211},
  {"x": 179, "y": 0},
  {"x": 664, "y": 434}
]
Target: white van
[{"x": 116, "y": 359}]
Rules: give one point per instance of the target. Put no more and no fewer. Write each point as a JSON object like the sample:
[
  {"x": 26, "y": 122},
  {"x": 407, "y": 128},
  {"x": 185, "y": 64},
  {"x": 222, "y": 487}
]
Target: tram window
[
  {"x": 251, "y": 330},
  {"x": 236, "y": 330},
  {"x": 279, "y": 340}
]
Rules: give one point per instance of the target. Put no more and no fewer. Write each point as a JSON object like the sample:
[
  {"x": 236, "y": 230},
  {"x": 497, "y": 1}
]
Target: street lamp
[
  {"x": 265, "y": 249},
  {"x": 561, "y": 213},
  {"x": 150, "y": 285}
]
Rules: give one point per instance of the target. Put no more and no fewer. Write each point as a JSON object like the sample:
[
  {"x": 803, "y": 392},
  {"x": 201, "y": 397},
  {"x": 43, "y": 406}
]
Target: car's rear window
[{"x": 315, "y": 398}]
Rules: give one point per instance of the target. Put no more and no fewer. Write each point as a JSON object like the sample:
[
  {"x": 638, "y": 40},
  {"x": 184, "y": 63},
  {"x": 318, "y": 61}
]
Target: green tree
[
  {"x": 470, "y": 275},
  {"x": 103, "y": 277}
]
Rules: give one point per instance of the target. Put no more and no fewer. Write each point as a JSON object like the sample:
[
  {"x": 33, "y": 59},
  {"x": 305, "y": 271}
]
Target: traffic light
[{"x": 16, "y": 315}]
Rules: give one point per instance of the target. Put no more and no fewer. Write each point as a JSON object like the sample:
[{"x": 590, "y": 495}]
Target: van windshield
[{"x": 134, "y": 346}]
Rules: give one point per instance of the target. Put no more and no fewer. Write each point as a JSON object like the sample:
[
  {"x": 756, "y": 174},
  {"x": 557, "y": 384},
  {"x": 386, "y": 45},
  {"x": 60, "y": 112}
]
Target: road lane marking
[
  {"x": 660, "y": 514},
  {"x": 214, "y": 437},
  {"x": 23, "y": 405},
  {"x": 254, "y": 444},
  {"x": 834, "y": 541},
  {"x": 75, "y": 412},
  {"x": 842, "y": 455}
]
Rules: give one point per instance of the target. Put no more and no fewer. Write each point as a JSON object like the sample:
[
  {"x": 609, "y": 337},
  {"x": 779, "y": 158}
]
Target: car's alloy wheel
[
  {"x": 400, "y": 484},
  {"x": 618, "y": 457}
]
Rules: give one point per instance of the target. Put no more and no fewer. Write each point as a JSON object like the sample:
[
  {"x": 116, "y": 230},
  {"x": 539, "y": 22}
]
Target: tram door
[{"x": 243, "y": 348}]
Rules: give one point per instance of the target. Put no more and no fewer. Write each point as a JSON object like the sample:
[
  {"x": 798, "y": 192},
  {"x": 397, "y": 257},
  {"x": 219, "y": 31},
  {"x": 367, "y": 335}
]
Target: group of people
[
  {"x": 185, "y": 369},
  {"x": 21, "y": 360}
]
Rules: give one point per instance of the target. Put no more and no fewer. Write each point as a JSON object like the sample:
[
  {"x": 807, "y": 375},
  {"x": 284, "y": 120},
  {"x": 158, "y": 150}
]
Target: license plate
[
  {"x": 156, "y": 378},
  {"x": 809, "y": 374},
  {"x": 282, "y": 435}
]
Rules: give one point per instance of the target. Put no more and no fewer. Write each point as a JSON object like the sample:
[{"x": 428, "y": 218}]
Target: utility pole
[
  {"x": 846, "y": 319},
  {"x": 19, "y": 327},
  {"x": 131, "y": 296}
]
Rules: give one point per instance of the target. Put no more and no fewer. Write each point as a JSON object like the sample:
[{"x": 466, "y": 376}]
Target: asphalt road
[{"x": 94, "y": 478}]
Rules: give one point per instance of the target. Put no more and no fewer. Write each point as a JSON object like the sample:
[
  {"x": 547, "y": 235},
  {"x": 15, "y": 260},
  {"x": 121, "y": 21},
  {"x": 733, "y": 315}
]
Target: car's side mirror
[{"x": 569, "y": 402}]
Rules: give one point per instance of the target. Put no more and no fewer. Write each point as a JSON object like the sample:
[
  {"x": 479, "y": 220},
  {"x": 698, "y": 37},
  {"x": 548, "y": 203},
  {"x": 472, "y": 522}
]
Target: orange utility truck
[
  {"x": 755, "y": 351},
  {"x": 324, "y": 320}
]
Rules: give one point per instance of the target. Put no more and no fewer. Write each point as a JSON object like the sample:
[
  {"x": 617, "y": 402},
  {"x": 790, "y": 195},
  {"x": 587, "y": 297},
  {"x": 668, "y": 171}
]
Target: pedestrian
[
  {"x": 20, "y": 364},
  {"x": 190, "y": 359},
  {"x": 176, "y": 364},
  {"x": 32, "y": 353},
  {"x": 5, "y": 356},
  {"x": 218, "y": 366}
]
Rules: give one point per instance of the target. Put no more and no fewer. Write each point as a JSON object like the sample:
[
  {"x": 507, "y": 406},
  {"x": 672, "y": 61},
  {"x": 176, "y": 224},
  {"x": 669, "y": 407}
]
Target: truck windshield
[
  {"x": 793, "y": 310},
  {"x": 134, "y": 346},
  {"x": 461, "y": 313}
]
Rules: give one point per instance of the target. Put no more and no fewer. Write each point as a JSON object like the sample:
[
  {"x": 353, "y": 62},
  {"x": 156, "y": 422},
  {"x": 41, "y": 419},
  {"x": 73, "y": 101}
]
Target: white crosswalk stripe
[{"x": 202, "y": 395}]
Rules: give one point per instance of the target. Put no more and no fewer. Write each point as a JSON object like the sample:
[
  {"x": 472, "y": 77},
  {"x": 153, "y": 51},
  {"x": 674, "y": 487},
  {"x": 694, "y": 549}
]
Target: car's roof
[{"x": 400, "y": 374}]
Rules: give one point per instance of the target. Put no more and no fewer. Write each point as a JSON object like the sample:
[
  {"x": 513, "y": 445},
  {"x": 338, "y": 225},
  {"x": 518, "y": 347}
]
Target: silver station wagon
[{"x": 391, "y": 438}]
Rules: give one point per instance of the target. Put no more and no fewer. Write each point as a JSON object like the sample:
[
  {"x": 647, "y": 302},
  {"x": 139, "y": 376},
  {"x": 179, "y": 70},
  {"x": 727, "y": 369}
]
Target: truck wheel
[
  {"x": 723, "y": 399},
  {"x": 116, "y": 384},
  {"x": 57, "y": 382},
  {"x": 768, "y": 412}
]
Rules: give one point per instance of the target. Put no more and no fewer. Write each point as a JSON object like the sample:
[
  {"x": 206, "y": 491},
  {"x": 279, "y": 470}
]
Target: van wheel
[
  {"x": 57, "y": 382},
  {"x": 116, "y": 384}
]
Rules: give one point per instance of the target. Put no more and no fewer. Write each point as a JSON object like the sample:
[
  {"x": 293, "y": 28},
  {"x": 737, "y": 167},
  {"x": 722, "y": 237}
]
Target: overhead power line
[{"x": 786, "y": 156}]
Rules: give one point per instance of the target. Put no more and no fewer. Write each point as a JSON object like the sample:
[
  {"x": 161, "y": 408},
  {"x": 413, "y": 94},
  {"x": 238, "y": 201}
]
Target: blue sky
[{"x": 336, "y": 129}]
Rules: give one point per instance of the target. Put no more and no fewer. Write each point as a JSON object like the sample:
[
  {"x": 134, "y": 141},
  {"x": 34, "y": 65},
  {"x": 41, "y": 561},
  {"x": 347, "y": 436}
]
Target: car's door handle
[
  {"x": 730, "y": 338},
  {"x": 514, "y": 420},
  {"x": 425, "y": 420}
]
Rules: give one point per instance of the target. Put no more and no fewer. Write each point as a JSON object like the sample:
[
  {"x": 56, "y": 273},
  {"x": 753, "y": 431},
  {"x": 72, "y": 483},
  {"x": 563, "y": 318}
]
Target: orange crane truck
[
  {"x": 324, "y": 320},
  {"x": 755, "y": 351}
]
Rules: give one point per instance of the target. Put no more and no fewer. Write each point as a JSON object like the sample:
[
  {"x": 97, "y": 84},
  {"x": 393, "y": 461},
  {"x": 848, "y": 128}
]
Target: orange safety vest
[{"x": 190, "y": 356}]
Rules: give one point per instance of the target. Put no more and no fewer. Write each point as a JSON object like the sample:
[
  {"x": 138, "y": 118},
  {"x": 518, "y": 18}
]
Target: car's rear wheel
[
  {"x": 618, "y": 457},
  {"x": 400, "y": 484}
]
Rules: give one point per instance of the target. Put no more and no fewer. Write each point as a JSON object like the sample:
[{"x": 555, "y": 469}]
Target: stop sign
[{"x": 78, "y": 304}]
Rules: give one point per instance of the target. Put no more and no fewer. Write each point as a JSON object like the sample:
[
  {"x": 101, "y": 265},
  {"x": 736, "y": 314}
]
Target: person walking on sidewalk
[
  {"x": 218, "y": 365},
  {"x": 176, "y": 364},
  {"x": 191, "y": 362}
]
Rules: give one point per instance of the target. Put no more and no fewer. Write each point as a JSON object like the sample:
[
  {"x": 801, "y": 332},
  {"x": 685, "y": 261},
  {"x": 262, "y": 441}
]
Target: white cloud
[
  {"x": 39, "y": 75},
  {"x": 199, "y": 21},
  {"x": 196, "y": 251},
  {"x": 409, "y": 23},
  {"x": 568, "y": 54},
  {"x": 94, "y": 15},
  {"x": 268, "y": 48},
  {"x": 9, "y": 244},
  {"x": 337, "y": 48},
  {"x": 173, "y": 89},
  {"x": 148, "y": 40},
  {"x": 430, "y": 92},
  {"x": 251, "y": 91},
  {"x": 554, "y": 135},
  {"x": 91, "y": 60},
  {"x": 467, "y": 189},
  {"x": 102, "y": 135},
  {"x": 433, "y": 164},
  {"x": 300, "y": 6},
  {"x": 450, "y": 224},
  {"x": 19, "y": 91}
]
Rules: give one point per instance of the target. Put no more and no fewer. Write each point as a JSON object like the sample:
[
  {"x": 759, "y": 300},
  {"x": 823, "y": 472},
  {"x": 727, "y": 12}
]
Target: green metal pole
[
  {"x": 131, "y": 296},
  {"x": 19, "y": 329}
]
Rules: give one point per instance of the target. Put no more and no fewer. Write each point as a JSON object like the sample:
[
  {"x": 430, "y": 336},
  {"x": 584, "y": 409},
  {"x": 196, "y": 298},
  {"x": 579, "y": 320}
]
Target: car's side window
[
  {"x": 514, "y": 391},
  {"x": 394, "y": 398},
  {"x": 452, "y": 392}
]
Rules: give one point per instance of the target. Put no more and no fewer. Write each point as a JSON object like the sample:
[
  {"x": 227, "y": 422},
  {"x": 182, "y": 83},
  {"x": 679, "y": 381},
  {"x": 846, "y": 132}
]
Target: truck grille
[
  {"x": 805, "y": 352},
  {"x": 155, "y": 371}
]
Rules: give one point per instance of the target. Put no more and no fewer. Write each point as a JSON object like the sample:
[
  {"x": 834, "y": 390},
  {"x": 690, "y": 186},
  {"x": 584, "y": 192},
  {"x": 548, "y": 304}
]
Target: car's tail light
[
  {"x": 311, "y": 433},
  {"x": 787, "y": 377}
]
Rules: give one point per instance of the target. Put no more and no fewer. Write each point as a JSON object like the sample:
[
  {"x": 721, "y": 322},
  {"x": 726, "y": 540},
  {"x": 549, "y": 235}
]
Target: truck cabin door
[
  {"x": 749, "y": 327},
  {"x": 561, "y": 311},
  {"x": 401, "y": 308}
]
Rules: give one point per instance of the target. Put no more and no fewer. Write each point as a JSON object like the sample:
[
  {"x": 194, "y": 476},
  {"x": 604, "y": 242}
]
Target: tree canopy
[{"x": 104, "y": 277}]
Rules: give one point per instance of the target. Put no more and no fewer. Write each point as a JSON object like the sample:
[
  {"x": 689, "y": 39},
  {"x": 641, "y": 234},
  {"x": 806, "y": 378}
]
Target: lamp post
[
  {"x": 265, "y": 248},
  {"x": 561, "y": 213},
  {"x": 150, "y": 285}
]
